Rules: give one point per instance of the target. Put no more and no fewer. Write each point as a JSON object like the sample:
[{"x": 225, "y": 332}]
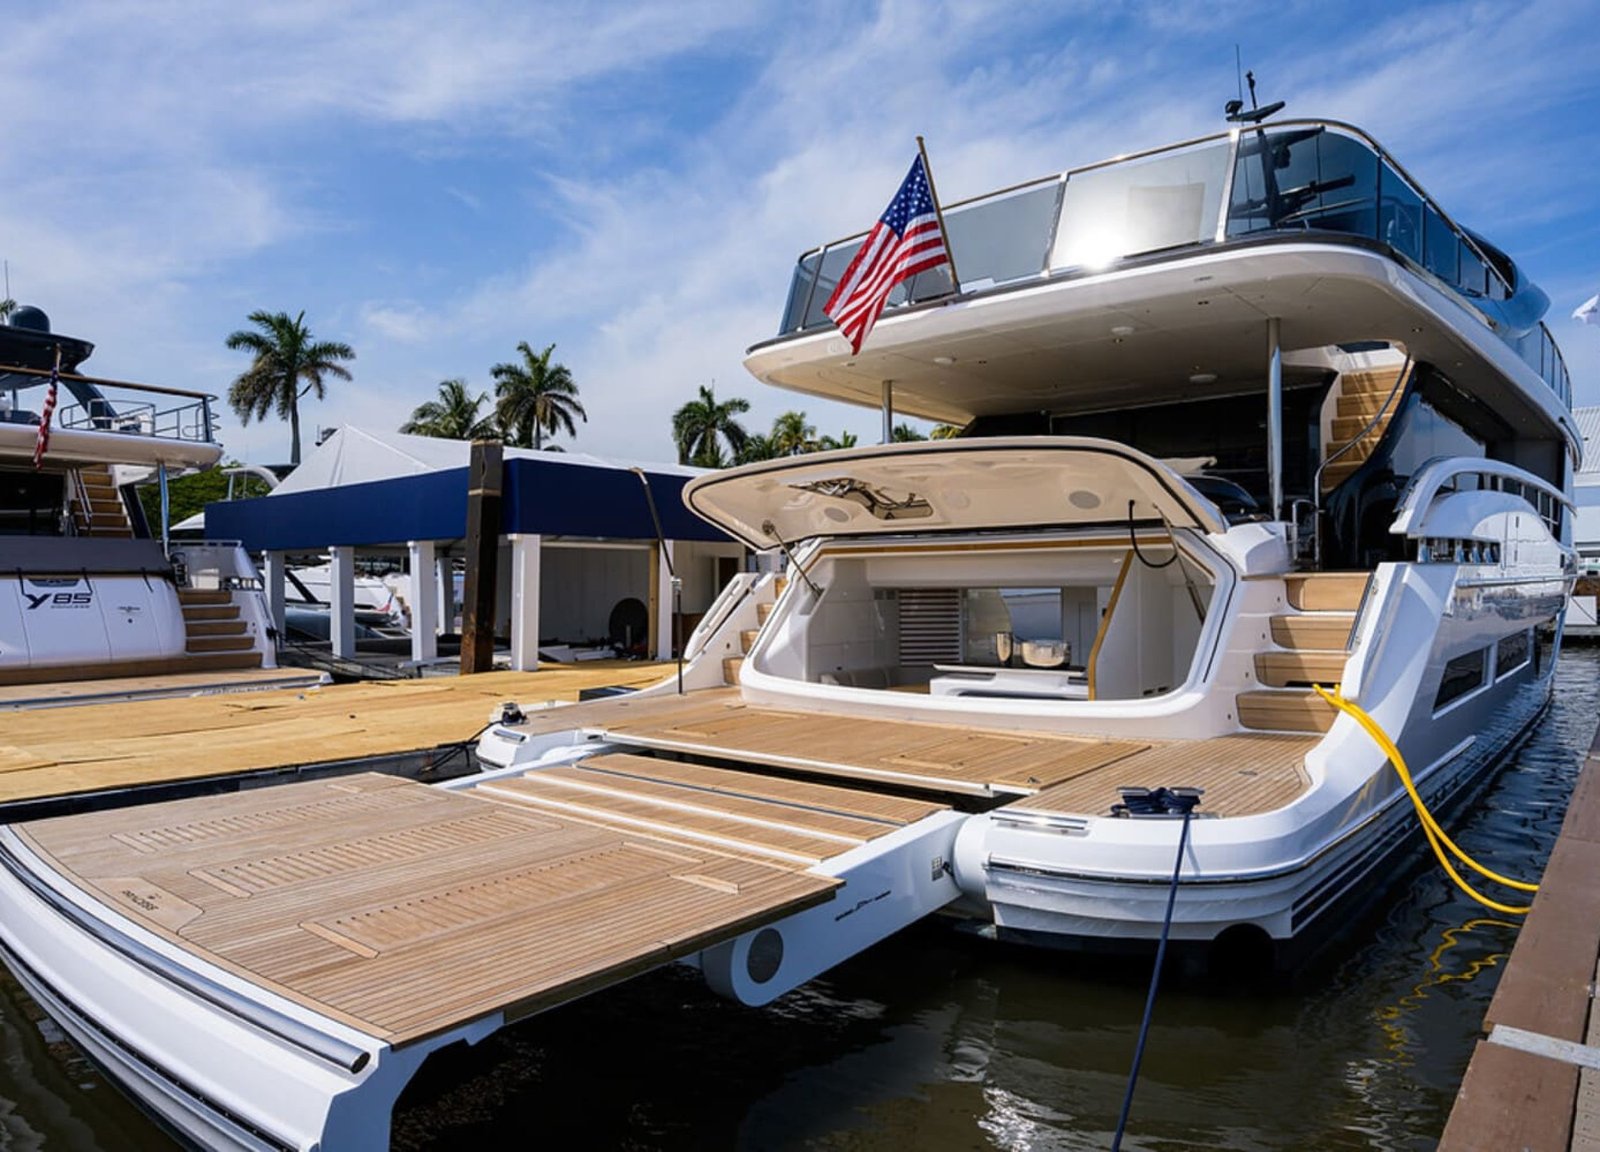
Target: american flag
[
  {"x": 42, "y": 444},
  {"x": 907, "y": 239}
]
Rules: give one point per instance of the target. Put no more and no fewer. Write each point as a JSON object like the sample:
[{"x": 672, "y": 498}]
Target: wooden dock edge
[{"x": 1534, "y": 1080}]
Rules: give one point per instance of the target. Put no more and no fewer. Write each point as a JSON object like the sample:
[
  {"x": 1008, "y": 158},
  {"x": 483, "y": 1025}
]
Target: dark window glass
[
  {"x": 1511, "y": 654},
  {"x": 31, "y": 503},
  {"x": 1461, "y": 675},
  {"x": 1440, "y": 247},
  {"x": 804, "y": 274},
  {"x": 1304, "y": 178},
  {"x": 1399, "y": 215},
  {"x": 1473, "y": 276}
]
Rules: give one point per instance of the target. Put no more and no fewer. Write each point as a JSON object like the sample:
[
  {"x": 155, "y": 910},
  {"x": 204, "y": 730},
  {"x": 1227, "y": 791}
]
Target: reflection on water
[{"x": 943, "y": 1042}]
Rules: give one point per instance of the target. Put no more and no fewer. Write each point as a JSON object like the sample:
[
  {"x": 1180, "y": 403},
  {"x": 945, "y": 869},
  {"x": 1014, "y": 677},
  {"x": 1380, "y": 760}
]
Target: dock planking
[
  {"x": 1534, "y": 1080},
  {"x": 95, "y": 747}
]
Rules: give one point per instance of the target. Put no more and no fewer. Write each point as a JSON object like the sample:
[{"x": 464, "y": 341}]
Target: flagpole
[{"x": 949, "y": 253}]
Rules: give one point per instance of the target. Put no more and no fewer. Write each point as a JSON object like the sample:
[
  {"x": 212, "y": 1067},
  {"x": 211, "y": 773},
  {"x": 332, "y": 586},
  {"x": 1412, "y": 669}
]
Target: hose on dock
[{"x": 1437, "y": 839}]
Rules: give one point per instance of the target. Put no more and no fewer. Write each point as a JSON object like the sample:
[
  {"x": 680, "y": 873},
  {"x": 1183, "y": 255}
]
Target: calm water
[{"x": 942, "y": 1042}]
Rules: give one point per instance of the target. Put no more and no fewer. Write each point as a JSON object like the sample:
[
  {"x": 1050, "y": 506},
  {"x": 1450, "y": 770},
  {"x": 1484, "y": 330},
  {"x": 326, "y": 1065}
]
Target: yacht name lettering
[
  {"x": 139, "y": 901},
  {"x": 59, "y": 599}
]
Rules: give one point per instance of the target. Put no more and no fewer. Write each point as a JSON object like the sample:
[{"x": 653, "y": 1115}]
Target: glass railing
[
  {"x": 91, "y": 404},
  {"x": 1301, "y": 177}
]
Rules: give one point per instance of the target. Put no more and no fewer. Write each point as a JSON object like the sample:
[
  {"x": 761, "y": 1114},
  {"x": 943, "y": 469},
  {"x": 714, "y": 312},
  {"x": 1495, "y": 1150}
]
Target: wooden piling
[{"x": 485, "y": 474}]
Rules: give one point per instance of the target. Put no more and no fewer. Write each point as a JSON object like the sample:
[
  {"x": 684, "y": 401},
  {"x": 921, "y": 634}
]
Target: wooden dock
[
  {"x": 1534, "y": 1080},
  {"x": 97, "y": 747}
]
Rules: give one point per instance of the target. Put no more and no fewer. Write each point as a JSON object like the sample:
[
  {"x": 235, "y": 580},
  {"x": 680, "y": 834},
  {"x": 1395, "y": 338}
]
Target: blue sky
[{"x": 434, "y": 182}]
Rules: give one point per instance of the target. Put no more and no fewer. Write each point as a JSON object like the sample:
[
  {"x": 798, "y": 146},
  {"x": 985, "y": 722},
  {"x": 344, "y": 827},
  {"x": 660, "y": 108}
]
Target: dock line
[{"x": 1430, "y": 827}]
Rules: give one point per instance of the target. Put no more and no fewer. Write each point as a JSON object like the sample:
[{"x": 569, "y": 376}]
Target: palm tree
[
  {"x": 702, "y": 425},
  {"x": 904, "y": 433},
  {"x": 285, "y": 357},
  {"x": 534, "y": 397},
  {"x": 756, "y": 447},
  {"x": 843, "y": 440},
  {"x": 791, "y": 435},
  {"x": 453, "y": 416},
  {"x": 945, "y": 432}
]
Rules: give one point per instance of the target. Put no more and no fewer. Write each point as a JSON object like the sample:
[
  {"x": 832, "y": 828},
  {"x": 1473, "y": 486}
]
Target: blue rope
[{"x": 1155, "y": 982}]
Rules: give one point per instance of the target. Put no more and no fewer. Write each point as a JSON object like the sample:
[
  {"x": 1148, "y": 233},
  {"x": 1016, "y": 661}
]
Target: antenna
[
  {"x": 1233, "y": 111},
  {"x": 1238, "y": 73}
]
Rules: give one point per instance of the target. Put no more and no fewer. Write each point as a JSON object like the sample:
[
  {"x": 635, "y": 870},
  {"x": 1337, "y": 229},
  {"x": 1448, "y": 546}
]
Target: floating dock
[
  {"x": 1534, "y": 1079},
  {"x": 97, "y": 747}
]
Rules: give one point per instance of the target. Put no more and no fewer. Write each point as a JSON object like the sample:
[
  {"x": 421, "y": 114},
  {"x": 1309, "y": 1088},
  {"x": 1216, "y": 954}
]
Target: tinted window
[
  {"x": 1461, "y": 675},
  {"x": 31, "y": 503},
  {"x": 1511, "y": 654}
]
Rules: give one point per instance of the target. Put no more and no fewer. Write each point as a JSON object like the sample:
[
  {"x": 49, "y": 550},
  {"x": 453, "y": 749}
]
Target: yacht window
[
  {"x": 31, "y": 503},
  {"x": 1511, "y": 654},
  {"x": 1462, "y": 675},
  {"x": 1022, "y": 627}
]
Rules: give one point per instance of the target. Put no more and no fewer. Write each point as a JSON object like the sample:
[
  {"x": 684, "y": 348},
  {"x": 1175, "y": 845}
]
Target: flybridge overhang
[{"x": 948, "y": 486}]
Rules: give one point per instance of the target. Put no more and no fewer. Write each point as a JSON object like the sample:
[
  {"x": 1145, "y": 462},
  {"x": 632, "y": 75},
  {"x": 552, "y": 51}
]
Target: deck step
[
  {"x": 194, "y": 662},
  {"x": 1326, "y": 631},
  {"x": 779, "y": 584},
  {"x": 187, "y": 596},
  {"x": 210, "y": 612},
  {"x": 1364, "y": 406},
  {"x": 730, "y": 669},
  {"x": 1356, "y": 452},
  {"x": 1338, "y": 472},
  {"x": 222, "y": 627},
  {"x": 1285, "y": 669},
  {"x": 747, "y": 639},
  {"x": 238, "y": 643},
  {"x": 763, "y": 611},
  {"x": 1285, "y": 710},
  {"x": 1326, "y": 591},
  {"x": 1377, "y": 382}
]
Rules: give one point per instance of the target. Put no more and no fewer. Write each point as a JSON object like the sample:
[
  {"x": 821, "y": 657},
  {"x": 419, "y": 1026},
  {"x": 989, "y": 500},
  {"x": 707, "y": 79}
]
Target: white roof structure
[
  {"x": 1586, "y": 483},
  {"x": 360, "y": 456}
]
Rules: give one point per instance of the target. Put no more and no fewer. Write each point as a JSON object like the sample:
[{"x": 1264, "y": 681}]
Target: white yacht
[
  {"x": 1241, "y": 416},
  {"x": 93, "y": 590}
]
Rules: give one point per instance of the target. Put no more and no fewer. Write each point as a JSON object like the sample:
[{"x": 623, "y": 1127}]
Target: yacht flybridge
[
  {"x": 1239, "y": 417},
  {"x": 92, "y": 590}
]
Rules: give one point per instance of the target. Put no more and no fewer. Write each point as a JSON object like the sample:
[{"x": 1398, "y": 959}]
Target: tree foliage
[
  {"x": 706, "y": 432},
  {"x": 287, "y": 364},
  {"x": 453, "y": 416},
  {"x": 534, "y": 396},
  {"x": 189, "y": 494}
]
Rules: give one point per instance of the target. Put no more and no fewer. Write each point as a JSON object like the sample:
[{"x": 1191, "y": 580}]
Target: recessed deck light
[
  {"x": 1122, "y": 330},
  {"x": 944, "y": 360},
  {"x": 1203, "y": 378}
]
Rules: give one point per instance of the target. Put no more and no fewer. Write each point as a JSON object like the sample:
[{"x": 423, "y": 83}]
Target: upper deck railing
[
  {"x": 1299, "y": 177},
  {"x": 130, "y": 409}
]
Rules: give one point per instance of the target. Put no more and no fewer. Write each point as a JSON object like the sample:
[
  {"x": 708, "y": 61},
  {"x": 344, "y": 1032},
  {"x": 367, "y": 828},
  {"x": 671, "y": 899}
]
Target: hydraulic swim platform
[{"x": 268, "y": 969}]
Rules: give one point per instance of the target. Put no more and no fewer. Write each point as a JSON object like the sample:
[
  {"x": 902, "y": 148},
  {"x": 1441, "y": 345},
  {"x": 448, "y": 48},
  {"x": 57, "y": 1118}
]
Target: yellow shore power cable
[{"x": 1430, "y": 826}]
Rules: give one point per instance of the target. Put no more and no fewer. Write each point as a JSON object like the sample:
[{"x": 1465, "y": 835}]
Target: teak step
[
  {"x": 1285, "y": 710},
  {"x": 1338, "y": 472},
  {"x": 730, "y": 669},
  {"x": 747, "y": 638},
  {"x": 193, "y": 612},
  {"x": 1326, "y": 591},
  {"x": 1327, "y": 631},
  {"x": 763, "y": 611},
  {"x": 219, "y": 643},
  {"x": 233, "y": 627},
  {"x": 1376, "y": 382},
  {"x": 1347, "y": 428},
  {"x": 779, "y": 584},
  {"x": 1355, "y": 453},
  {"x": 187, "y": 596},
  {"x": 111, "y": 669},
  {"x": 1365, "y": 405},
  {"x": 1283, "y": 669}
]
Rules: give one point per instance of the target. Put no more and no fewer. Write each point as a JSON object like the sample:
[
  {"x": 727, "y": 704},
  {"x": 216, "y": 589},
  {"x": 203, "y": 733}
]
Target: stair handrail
[
  {"x": 1316, "y": 478},
  {"x": 80, "y": 492}
]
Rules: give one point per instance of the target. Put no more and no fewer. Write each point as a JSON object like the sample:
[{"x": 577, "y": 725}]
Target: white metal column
[
  {"x": 342, "y": 599},
  {"x": 888, "y": 411},
  {"x": 274, "y": 581},
  {"x": 1275, "y": 418},
  {"x": 423, "y": 598},
  {"x": 664, "y": 598},
  {"x": 525, "y": 603}
]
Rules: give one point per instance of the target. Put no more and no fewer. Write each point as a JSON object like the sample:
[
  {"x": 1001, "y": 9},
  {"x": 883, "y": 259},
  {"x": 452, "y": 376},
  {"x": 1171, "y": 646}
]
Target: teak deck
[
  {"x": 404, "y": 910},
  {"x": 936, "y": 757}
]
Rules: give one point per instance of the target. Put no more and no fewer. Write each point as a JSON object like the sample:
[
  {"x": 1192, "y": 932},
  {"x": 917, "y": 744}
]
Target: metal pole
[
  {"x": 888, "y": 412},
  {"x": 166, "y": 509},
  {"x": 1275, "y": 418}
]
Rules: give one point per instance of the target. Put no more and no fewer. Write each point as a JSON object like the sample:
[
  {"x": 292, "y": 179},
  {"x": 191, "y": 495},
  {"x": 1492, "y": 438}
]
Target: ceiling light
[
  {"x": 1122, "y": 330},
  {"x": 1203, "y": 378},
  {"x": 944, "y": 360}
]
